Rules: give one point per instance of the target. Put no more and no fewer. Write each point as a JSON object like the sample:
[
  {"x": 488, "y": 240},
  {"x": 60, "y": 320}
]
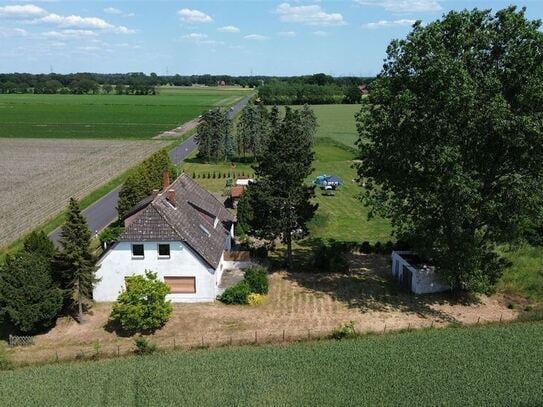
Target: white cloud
[
  {"x": 22, "y": 11},
  {"x": 13, "y": 32},
  {"x": 70, "y": 34},
  {"x": 386, "y": 23},
  {"x": 201, "y": 39},
  {"x": 94, "y": 23},
  {"x": 118, "y": 12},
  {"x": 404, "y": 6},
  {"x": 228, "y": 29},
  {"x": 320, "y": 33},
  {"x": 289, "y": 34},
  {"x": 311, "y": 15},
  {"x": 194, "y": 16},
  {"x": 255, "y": 37}
]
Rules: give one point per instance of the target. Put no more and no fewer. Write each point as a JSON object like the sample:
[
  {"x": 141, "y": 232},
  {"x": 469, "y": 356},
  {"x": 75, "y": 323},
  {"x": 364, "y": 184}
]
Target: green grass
[
  {"x": 343, "y": 216},
  {"x": 525, "y": 276},
  {"x": 489, "y": 365},
  {"x": 107, "y": 116},
  {"x": 337, "y": 122}
]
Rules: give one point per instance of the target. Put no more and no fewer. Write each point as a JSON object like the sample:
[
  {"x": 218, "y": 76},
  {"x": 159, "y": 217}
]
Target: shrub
[
  {"x": 260, "y": 252},
  {"x": 110, "y": 235},
  {"x": 237, "y": 294},
  {"x": 257, "y": 279},
  {"x": 143, "y": 306},
  {"x": 365, "y": 247},
  {"x": 347, "y": 330},
  {"x": 255, "y": 299},
  {"x": 193, "y": 175},
  {"x": 143, "y": 346},
  {"x": 330, "y": 256}
]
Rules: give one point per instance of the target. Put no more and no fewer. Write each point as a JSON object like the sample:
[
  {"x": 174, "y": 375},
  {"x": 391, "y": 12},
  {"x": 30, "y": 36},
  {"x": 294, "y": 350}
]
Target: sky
[{"x": 248, "y": 37}]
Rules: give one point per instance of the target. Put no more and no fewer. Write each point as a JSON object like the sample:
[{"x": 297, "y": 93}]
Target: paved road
[{"x": 103, "y": 212}]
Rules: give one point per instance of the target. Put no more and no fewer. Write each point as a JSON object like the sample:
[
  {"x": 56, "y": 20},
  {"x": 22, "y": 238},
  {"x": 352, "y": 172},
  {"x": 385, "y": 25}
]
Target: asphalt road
[{"x": 103, "y": 212}]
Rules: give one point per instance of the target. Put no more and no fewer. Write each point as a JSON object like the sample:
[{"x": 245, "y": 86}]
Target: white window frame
[
  {"x": 162, "y": 256},
  {"x": 134, "y": 256}
]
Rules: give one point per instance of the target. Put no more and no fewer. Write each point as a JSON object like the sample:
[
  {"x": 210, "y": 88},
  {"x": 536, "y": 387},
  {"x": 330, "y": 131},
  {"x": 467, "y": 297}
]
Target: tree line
[
  {"x": 138, "y": 83},
  {"x": 299, "y": 93}
]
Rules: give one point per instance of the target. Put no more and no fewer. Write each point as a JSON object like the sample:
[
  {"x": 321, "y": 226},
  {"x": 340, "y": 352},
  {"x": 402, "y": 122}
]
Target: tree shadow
[{"x": 368, "y": 284}]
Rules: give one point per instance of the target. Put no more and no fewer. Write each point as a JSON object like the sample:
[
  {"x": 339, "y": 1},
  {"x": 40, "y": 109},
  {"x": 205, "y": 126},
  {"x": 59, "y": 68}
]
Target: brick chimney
[
  {"x": 171, "y": 197},
  {"x": 165, "y": 180}
]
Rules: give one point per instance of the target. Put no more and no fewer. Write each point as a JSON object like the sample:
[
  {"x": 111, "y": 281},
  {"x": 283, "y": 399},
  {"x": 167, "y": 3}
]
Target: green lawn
[
  {"x": 492, "y": 365},
  {"x": 107, "y": 116},
  {"x": 337, "y": 122},
  {"x": 525, "y": 276}
]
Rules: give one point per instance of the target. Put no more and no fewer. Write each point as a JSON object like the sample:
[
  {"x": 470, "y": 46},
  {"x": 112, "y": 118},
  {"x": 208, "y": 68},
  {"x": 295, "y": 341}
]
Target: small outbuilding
[
  {"x": 236, "y": 193},
  {"x": 416, "y": 276}
]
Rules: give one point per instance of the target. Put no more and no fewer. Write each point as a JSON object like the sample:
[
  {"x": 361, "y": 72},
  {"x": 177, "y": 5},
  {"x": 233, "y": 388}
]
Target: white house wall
[{"x": 118, "y": 263}]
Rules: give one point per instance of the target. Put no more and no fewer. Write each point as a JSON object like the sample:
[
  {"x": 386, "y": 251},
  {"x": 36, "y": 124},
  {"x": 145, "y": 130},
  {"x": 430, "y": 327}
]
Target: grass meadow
[
  {"x": 486, "y": 365},
  {"x": 107, "y": 116}
]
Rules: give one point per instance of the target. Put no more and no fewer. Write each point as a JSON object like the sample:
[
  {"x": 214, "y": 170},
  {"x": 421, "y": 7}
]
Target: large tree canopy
[{"x": 451, "y": 139}]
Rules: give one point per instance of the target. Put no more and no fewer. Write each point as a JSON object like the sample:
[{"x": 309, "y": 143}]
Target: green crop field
[
  {"x": 492, "y": 365},
  {"x": 107, "y": 116}
]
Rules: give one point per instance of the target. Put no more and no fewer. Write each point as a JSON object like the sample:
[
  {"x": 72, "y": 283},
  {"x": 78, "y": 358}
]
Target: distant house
[
  {"x": 236, "y": 193},
  {"x": 416, "y": 276},
  {"x": 182, "y": 233},
  {"x": 363, "y": 89},
  {"x": 221, "y": 83}
]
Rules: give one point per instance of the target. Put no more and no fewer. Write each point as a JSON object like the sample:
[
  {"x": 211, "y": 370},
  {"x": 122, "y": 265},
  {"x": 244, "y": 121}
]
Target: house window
[
  {"x": 181, "y": 285},
  {"x": 137, "y": 251},
  {"x": 164, "y": 250}
]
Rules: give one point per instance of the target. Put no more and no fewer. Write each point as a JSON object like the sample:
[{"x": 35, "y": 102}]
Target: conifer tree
[
  {"x": 214, "y": 138},
  {"x": 75, "y": 263},
  {"x": 280, "y": 198}
]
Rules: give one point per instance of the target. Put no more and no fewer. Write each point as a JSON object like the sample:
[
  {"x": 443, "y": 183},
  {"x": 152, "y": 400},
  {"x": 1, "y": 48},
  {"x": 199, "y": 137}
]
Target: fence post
[
  {"x": 309, "y": 334},
  {"x": 478, "y": 320},
  {"x": 118, "y": 350},
  {"x": 56, "y": 356},
  {"x": 431, "y": 326},
  {"x": 501, "y": 315},
  {"x": 231, "y": 340},
  {"x": 283, "y": 335},
  {"x": 174, "y": 343},
  {"x": 203, "y": 340},
  {"x": 256, "y": 337},
  {"x": 385, "y": 328}
]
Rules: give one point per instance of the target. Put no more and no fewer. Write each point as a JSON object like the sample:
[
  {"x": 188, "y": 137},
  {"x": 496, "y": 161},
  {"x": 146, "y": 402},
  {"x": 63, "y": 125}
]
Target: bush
[
  {"x": 143, "y": 306},
  {"x": 143, "y": 346},
  {"x": 255, "y": 299},
  {"x": 365, "y": 247},
  {"x": 260, "y": 252},
  {"x": 257, "y": 279},
  {"x": 110, "y": 235},
  {"x": 345, "y": 331},
  {"x": 237, "y": 294},
  {"x": 330, "y": 257}
]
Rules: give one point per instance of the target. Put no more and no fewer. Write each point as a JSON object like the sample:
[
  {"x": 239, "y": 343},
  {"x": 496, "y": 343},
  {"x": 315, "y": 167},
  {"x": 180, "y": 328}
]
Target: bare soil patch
[
  {"x": 38, "y": 176},
  {"x": 299, "y": 304}
]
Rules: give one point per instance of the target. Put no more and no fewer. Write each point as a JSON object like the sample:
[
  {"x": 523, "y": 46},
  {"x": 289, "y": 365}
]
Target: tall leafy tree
[
  {"x": 146, "y": 177},
  {"x": 214, "y": 137},
  {"x": 75, "y": 263},
  {"x": 29, "y": 298},
  {"x": 248, "y": 130},
  {"x": 280, "y": 198},
  {"x": 309, "y": 121},
  {"x": 451, "y": 139}
]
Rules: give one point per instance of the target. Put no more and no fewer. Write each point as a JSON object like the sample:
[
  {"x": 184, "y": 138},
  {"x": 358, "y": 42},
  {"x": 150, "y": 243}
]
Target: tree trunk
[
  {"x": 289, "y": 250},
  {"x": 80, "y": 311}
]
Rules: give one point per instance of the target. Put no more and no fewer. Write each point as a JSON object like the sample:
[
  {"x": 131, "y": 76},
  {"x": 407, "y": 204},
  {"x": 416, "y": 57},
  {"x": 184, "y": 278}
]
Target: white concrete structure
[
  {"x": 182, "y": 234},
  {"x": 243, "y": 182},
  {"x": 420, "y": 280}
]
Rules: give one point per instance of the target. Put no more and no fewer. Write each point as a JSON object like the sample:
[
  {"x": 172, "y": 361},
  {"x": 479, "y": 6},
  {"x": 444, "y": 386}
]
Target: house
[
  {"x": 413, "y": 274},
  {"x": 236, "y": 193},
  {"x": 181, "y": 233}
]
